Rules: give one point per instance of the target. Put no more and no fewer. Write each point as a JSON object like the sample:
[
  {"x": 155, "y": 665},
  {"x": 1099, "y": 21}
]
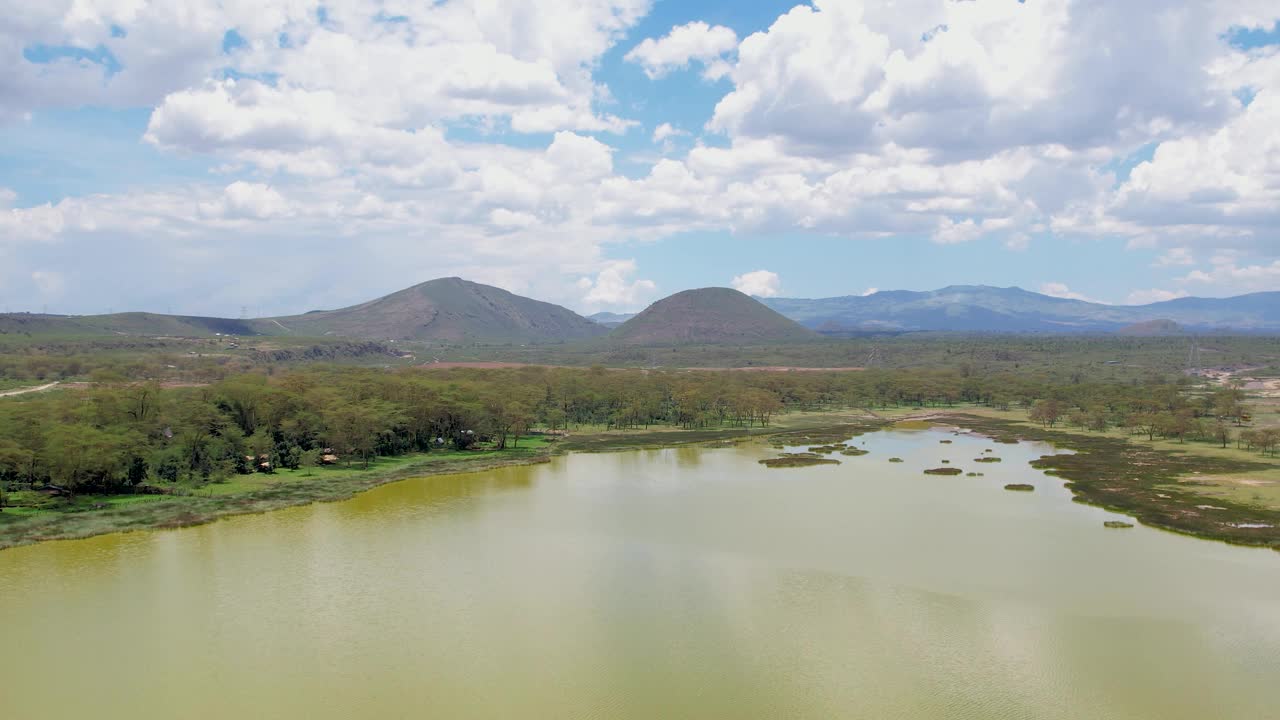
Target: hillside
[
  {"x": 714, "y": 316},
  {"x": 978, "y": 308},
  {"x": 447, "y": 310},
  {"x": 131, "y": 323},
  {"x": 1151, "y": 328}
]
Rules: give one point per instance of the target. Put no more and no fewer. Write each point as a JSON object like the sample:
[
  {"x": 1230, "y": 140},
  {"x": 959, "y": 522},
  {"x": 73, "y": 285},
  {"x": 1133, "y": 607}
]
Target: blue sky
[{"x": 294, "y": 155}]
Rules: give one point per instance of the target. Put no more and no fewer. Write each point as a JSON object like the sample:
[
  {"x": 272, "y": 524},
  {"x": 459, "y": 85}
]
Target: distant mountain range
[
  {"x": 454, "y": 310},
  {"x": 979, "y": 308},
  {"x": 610, "y": 319}
]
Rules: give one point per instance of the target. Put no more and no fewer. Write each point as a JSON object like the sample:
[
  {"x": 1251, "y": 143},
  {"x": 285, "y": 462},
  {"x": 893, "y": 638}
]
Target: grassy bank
[
  {"x": 1193, "y": 488},
  {"x": 89, "y": 515}
]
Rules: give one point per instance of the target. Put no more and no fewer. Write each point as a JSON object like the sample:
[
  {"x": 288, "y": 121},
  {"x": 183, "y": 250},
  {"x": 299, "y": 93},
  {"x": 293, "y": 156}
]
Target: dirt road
[{"x": 24, "y": 391}]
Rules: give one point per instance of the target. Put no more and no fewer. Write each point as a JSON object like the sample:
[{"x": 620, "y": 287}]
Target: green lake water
[{"x": 681, "y": 583}]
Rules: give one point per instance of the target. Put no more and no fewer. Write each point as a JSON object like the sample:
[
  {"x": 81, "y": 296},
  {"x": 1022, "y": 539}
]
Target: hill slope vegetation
[
  {"x": 444, "y": 310},
  {"x": 448, "y": 310},
  {"x": 715, "y": 316}
]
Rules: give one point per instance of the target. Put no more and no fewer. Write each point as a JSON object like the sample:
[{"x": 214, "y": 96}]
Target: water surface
[{"x": 684, "y": 583}]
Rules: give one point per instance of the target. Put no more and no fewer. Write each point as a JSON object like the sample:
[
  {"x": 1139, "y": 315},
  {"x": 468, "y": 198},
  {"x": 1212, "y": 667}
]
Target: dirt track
[{"x": 24, "y": 391}]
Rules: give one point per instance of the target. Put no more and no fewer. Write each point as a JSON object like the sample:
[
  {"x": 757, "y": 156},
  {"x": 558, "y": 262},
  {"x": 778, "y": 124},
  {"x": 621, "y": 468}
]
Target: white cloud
[
  {"x": 242, "y": 199},
  {"x": 1153, "y": 295},
  {"x": 614, "y": 287},
  {"x": 1060, "y": 290},
  {"x": 1176, "y": 256},
  {"x": 1237, "y": 279},
  {"x": 843, "y": 119},
  {"x": 950, "y": 232},
  {"x": 844, "y": 74},
  {"x": 695, "y": 42},
  {"x": 666, "y": 131},
  {"x": 870, "y": 291},
  {"x": 760, "y": 283},
  {"x": 526, "y": 61}
]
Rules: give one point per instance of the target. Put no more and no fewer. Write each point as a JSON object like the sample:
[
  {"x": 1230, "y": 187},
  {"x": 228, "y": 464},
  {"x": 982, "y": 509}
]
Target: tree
[
  {"x": 1046, "y": 413},
  {"x": 1222, "y": 432},
  {"x": 353, "y": 428}
]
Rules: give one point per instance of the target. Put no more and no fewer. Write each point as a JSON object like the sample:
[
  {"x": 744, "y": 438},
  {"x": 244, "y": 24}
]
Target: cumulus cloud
[
  {"x": 1176, "y": 256},
  {"x": 1153, "y": 295},
  {"x": 694, "y": 42},
  {"x": 955, "y": 121},
  {"x": 613, "y": 286},
  {"x": 843, "y": 74},
  {"x": 1237, "y": 279},
  {"x": 665, "y": 131},
  {"x": 1061, "y": 290},
  {"x": 760, "y": 283},
  {"x": 525, "y": 61},
  {"x": 247, "y": 200}
]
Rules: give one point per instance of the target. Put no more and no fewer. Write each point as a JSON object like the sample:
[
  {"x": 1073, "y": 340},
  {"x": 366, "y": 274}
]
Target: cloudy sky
[{"x": 204, "y": 156}]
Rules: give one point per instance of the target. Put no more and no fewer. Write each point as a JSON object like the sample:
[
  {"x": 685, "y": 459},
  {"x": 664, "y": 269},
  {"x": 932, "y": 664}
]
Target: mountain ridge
[
  {"x": 448, "y": 309},
  {"x": 981, "y": 308},
  {"x": 454, "y": 310}
]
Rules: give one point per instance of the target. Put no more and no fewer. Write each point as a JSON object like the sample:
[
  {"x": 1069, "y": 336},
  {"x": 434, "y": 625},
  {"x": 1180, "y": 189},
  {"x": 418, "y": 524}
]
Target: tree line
[{"x": 119, "y": 437}]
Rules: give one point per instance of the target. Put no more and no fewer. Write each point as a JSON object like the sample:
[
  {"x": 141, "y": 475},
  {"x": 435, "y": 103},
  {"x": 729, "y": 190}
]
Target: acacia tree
[
  {"x": 1222, "y": 433},
  {"x": 354, "y": 428}
]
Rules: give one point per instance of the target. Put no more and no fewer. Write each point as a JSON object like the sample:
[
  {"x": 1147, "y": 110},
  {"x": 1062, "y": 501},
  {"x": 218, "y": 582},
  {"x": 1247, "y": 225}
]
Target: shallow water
[{"x": 655, "y": 584}]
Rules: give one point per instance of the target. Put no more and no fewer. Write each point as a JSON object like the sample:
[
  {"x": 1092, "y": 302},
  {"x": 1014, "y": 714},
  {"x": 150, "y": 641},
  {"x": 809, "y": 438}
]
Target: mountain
[
  {"x": 709, "y": 316},
  {"x": 609, "y": 319},
  {"x": 1151, "y": 328},
  {"x": 444, "y": 310},
  {"x": 979, "y": 308},
  {"x": 448, "y": 310}
]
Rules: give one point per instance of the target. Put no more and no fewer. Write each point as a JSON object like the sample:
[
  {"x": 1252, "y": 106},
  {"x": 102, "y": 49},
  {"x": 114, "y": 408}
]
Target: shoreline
[
  {"x": 172, "y": 512},
  {"x": 1107, "y": 472}
]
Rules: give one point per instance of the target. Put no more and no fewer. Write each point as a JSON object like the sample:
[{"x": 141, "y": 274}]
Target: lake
[{"x": 679, "y": 583}]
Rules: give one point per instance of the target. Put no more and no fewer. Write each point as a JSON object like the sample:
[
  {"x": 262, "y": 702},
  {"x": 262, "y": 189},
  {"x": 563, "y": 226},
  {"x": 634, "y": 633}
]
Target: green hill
[
  {"x": 715, "y": 316},
  {"x": 130, "y": 323},
  {"x": 446, "y": 310}
]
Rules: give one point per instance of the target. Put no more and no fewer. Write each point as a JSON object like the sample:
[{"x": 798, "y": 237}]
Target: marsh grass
[
  {"x": 798, "y": 460},
  {"x": 1147, "y": 482}
]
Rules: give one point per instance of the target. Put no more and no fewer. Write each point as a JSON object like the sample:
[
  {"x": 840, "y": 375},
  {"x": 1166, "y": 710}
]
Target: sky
[{"x": 231, "y": 157}]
